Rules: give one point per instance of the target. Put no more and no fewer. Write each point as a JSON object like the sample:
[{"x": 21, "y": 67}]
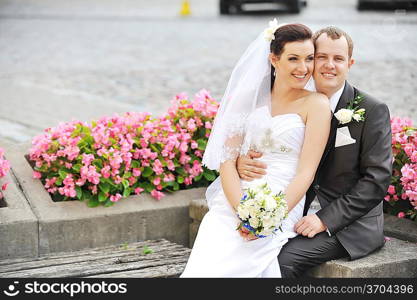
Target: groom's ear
[{"x": 351, "y": 62}]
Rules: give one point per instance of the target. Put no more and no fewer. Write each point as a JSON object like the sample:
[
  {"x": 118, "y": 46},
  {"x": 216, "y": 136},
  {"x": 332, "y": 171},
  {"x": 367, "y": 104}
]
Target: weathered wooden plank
[
  {"x": 85, "y": 252},
  {"x": 132, "y": 250},
  {"x": 167, "y": 260},
  {"x": 165, "y": 271}
]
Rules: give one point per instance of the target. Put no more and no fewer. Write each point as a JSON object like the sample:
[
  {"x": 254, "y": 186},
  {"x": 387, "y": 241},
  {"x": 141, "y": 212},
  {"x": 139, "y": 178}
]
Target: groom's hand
[
  {"x": 310, "y": 226},
  {"x": 248, "y": 168}
]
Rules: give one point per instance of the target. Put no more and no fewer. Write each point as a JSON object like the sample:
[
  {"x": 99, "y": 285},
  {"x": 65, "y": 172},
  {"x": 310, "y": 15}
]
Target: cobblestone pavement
[{"x": 83, "y": 59}]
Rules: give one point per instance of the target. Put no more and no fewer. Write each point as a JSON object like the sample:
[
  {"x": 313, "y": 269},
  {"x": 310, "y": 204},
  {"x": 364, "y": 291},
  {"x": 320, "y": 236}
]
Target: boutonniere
[{"x": 345, "y": 115}]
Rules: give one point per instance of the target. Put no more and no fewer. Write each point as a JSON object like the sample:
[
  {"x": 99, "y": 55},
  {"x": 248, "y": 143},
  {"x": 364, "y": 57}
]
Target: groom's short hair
[{"x": 334, "y": 33}]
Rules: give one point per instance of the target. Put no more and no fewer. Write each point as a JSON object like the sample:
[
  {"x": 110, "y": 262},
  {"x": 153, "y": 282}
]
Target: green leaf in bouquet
[
  {"x": 209, "y": 175},
  {"x": 147, "y": 172},
  {"x": 181, "y": 171},
  {"x": 154, "y": 148},
  {"x": 77, "y": 131},
  {"x": 180, "y": 179},
  {"x": 176, "y": 186},
  {"x": 197, "y": 178},
  {"x": 85, "y": 130},
  {"x": 125, "y": 183},
  {"x": 86, "y": 195},
  {"x": 108, "y": 203},
  {"x": 104, "y": 187},
  {"x": 102, "y": 197},
  {"x": 58, "y": 182},
  {"x": 202, "y": 144},
  {"x": 77, "y": 167},
  {"x": 89, "y": 140},
  {"x": 98, "y": 163},
  {"x": 62, "y": 174},
  {"x": 176, "y": 162},
  {"x": 79, "y": 192},
  {"x": 127, "y": 192},
  {"x": 93, "y": 203},
  {"x": 108, "y": 181},
  {"x": 127, "y": 175},
  {"x": 135, "y": 164},
  {"x": 148, "y": 187}
]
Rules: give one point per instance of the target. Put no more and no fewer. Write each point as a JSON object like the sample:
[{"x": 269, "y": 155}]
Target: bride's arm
[
  {"x": 228, "y": 172},
  {"x": 231, "y": 183},
  {"x": 315, "y": 140}
]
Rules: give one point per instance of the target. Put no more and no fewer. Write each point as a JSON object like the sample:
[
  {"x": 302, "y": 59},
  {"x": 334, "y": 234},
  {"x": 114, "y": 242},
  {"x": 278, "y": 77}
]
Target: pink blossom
[
  {"x": 157, "y": 195},
  {"x": 391, "y": 189},
  {"x": 87, "y": 159},
  {"x": 4, "y": 186},
  {"x": 157, "y": 167},
  {"x": 138, "y": 190},
  {"x": 136, "y": 172},
  {"x": 157, "y": 181},
  {"x": 115, "y": 198},
  {"x": 401, "y": 215},
  {"x": 188, "y": 180},
  {"x": 37, "y": 175}
]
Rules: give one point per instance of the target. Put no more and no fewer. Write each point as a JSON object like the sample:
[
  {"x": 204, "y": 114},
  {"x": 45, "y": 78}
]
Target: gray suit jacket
[{"x": 352, "y": 180}]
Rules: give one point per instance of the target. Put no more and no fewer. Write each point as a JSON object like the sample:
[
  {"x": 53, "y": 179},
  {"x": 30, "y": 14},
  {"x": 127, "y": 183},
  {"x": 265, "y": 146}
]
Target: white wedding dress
[{"x": 219, "y": 250}]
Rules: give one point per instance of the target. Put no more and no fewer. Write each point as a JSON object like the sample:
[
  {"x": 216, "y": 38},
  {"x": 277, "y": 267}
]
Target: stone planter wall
[
  {"x": 403, "y": 229},
  {"x": 72, "y": 225},
  {"x": 18, "y": 224}
]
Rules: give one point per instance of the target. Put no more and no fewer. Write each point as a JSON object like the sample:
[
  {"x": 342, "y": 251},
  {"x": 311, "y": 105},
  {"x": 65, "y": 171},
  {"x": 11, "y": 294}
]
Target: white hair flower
[{"x": 269, "y": 33}]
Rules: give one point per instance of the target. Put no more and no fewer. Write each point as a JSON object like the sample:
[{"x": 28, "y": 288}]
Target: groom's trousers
[{"x": 302, "y": 253}]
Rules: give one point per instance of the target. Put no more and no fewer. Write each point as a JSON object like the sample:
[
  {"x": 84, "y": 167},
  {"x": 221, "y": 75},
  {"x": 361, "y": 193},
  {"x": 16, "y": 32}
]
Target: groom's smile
[{"x": 332, "y": 63}]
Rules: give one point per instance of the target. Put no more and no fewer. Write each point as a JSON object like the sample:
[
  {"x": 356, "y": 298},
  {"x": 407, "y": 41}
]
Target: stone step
[
  {"x": 397, "y": 258},
  {"x": 128, "y": 260}
]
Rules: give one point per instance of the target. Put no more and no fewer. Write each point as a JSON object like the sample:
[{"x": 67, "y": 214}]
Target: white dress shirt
[{"x": 334, "y": 100}]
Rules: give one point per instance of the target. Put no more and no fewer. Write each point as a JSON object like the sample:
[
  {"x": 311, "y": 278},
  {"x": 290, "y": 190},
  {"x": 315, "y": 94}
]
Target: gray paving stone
[{"x": 82, "y": 59}]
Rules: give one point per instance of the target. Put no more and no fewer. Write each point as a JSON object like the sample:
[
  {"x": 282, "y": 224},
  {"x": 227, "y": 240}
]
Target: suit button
[{"x": 317, "y": 187}]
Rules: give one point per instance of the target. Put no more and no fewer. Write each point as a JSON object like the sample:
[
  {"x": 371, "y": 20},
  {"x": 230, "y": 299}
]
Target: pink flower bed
[
  {"x": 401, "y": 198},
  {"x": 106, "y": 160},
  {"x": 4, "y": 168}
]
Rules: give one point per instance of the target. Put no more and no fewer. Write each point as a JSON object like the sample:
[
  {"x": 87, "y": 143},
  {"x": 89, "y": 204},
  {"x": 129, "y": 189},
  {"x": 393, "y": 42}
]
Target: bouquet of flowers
[{"x": 261, "y": 211}]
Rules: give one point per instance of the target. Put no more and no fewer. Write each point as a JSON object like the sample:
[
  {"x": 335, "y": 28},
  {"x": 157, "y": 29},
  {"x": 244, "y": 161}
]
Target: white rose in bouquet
[{"x": 261, "y": 211}]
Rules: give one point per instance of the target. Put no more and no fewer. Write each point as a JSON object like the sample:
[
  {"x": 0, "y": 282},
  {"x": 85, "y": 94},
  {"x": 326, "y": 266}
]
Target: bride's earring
[{"x": 275, "y": 73}]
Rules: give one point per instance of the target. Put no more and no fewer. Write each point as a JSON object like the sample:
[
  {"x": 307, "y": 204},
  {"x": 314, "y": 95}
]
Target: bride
[{"x": 264, "y": 108}]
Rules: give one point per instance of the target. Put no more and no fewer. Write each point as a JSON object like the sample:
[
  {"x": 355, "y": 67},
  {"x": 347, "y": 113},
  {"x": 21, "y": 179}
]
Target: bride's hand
[
  {"x": 248, "y": 168},
  {"x": 247, "y": 235}
]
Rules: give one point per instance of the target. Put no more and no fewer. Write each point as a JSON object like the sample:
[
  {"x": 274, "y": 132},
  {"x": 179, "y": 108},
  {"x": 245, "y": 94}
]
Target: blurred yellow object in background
[{"x": 185, "y": 8}]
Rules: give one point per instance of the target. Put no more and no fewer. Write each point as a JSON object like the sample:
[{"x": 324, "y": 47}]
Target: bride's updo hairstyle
[{"x": 286, "y": 34}]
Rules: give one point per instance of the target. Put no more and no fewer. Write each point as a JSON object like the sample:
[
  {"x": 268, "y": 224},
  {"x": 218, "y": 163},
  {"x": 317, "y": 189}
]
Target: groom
[{"x": 352, "y": 177}]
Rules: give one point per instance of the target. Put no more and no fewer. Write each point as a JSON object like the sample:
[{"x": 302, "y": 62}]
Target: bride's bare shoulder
[{"x": 317, "y": 101}]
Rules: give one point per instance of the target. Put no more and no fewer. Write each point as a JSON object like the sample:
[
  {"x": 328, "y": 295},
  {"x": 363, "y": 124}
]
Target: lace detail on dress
[{"x": 234, "y": 133}]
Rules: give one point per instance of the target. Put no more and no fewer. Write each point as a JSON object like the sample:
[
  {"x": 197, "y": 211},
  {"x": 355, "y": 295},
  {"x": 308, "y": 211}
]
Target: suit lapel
[{"x": 346, "y": 96}]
